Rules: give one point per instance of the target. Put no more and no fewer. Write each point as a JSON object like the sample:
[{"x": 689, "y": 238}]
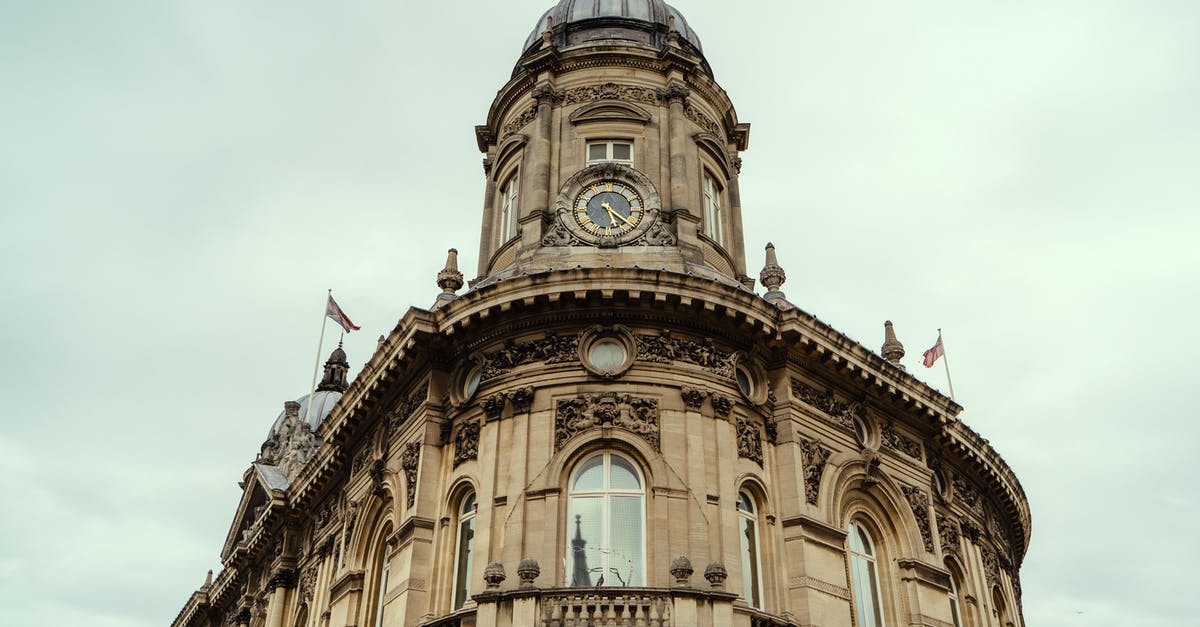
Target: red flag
[
  {"x": 931, "y": 355},
  {"x": 333, "y": 311}
]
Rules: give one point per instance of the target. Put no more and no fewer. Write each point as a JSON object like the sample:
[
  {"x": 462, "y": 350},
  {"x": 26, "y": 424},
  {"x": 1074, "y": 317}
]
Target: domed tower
[{"x": 609, "y": 426}]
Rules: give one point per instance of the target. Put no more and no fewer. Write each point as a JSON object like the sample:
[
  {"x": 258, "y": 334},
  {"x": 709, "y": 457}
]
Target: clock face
[{"x": 608, "y": 208}]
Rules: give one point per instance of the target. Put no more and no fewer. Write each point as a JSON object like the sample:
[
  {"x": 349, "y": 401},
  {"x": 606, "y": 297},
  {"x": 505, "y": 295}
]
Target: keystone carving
[
  {"x": 841, "y": 413},
  {"x": 918, "y": 501},
  {"x": 576, "y": 415},
  {"x": 749, "y": 441},
  {"x": 813, "y": 456},
  {"x": 552, "y": 349},
  {"x": 409, "y": 460},
  {"x": 664, "y": 349},
  {"x": 466, "y": 442}
]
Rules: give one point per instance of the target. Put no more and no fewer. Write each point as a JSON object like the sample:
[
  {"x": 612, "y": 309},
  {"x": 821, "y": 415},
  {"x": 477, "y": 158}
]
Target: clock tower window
[
  {"x": 712, "y": 220},
  {"x": 615, "y": 151}
]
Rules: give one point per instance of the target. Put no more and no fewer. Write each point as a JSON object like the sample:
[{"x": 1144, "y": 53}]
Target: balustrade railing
[{"x": 620, "y": 607}]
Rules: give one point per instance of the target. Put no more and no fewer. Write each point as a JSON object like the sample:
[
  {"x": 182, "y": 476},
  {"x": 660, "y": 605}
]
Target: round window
[
  {"x": 860, "y": 431},
  {"x": 606, "y": 354},
  {"x": 744, "y": 382},
  {"x": 473, "y": 380}
]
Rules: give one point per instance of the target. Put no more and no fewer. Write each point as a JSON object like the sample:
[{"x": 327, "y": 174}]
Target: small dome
[
  {"x": 637, "y": 21},
  {"x": 325, "y": 400}
]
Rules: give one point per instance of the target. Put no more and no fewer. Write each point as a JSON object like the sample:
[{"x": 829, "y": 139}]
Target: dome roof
[
  {"x": 322, "y": 405},
  {"x": 639, "y": 21}
]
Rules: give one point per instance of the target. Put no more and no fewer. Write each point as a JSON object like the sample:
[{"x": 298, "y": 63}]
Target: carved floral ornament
[
  {"x": 918, "y": 501},
  {"x": 466, "y": 442},
  {"x": 749, "y": 440},
  {"x": 814, "y": 456},
  {"x": 410, "y": 458},
  {"x": 606, "y": 409}
]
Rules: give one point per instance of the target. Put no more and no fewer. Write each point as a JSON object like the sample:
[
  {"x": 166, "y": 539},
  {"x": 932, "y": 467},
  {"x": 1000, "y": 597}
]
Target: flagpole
[
  {"x": 317, "y": 364},
  {"x": 946, "y": 362}
]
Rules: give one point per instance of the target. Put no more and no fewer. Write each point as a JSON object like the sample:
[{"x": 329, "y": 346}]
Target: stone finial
[
  {"x": 449, "y": 279},
  {"x": 681, "y": 570},
  {"x": 493, "y": 575},
  {"x": 672, "y": 34},
  {"x": 208, "y": 580},
  {"x": 548, "y": 34},
  {"x": 716, "y": 574},
  {"x": 527, "y": 571},
  {"x": 892, "y": 349},
  {"x": 772, "y": 275}
]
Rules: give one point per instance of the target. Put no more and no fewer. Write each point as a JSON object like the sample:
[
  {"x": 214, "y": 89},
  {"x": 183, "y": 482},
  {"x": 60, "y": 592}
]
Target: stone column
[
  {"x": 275, "y": 606},
  {"x": 677, "y": 92},
  {"x": 487, "y": 237},
  {"x": 736, "y": 244},
  {"x": 537, "y": 173}
]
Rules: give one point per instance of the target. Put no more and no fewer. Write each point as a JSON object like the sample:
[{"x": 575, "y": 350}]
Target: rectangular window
[
  {"x": 619, "y": 151},
  {"x": 712, "y": 224},
  {"x": 508, "y": 210}
]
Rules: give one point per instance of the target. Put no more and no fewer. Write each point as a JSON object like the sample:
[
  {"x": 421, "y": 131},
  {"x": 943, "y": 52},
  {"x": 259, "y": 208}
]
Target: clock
[{"x": 608, "y": 208}]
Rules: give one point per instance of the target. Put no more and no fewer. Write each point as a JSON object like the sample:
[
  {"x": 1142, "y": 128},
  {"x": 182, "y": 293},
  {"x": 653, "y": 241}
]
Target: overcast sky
[{"x": 181, "y": 181}]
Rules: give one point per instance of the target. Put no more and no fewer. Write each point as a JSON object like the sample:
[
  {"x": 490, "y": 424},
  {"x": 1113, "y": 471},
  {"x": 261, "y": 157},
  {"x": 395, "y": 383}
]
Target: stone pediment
[
  {"x": 608, "y": 111},
  {"x": 264, "y": 491}
]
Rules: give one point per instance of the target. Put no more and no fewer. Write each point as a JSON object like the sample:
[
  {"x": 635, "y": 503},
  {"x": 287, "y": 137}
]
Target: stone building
[{"x": 609, "y": 426}]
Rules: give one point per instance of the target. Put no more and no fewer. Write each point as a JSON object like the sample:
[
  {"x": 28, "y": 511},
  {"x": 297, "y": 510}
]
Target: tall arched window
[
  {"x": 508, "y": 210},
  {"x": 464, "y": 548},
  {"x": 606, "y": 512},
  {"x": 955, "y": 614},
  {"x": 711, "y": 223},
  {"x": 751, "y": 566},
  {"x": 999, "y": 607},
  {"x": 864, "y": 577},
  {"x": 383, "y": 565}
]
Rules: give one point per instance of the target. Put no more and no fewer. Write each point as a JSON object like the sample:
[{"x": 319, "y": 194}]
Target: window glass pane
[
  {"x": 749, "y": 542},
  {"x": 591, "y": 475},
  {"x": 462, "y": 577},
  {"x": 622, "y": 151},
  {"x": 469, "y": 504},
  {"x": 585, "y": 556},
  {"x": 597, "y": 152},
  {"x": 623, "y": 476},
  {"x": 625, "y": 565},
  {"x": 744, "y": 503}
]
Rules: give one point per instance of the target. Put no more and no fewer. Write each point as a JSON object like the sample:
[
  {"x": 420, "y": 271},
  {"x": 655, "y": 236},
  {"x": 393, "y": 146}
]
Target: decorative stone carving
[
  {"x": 703, "y": 121},
  {"x": 813, "y": 456},
  {"x": 521, "y": 399},
  {"x": 948, "y": 534},
  {"x": 681, "y": 570},
  {"x": 559, "y": 235},
  {"x": 404, "y": 407},
  {"x": 918, "y": 501},
  {"x": 552, "y": 349},
  {"x": 991, "y": 565},
  {"x": 772, "y": 428},
  {"x": 493, "y": 405},
  {"x": 715, "y": 573},
  {"x": 658, "y": 235},
  {"x": 449, "y": 278},
  {"x": 519, "y": 122},
  {"x": 664, "y": 349},
  {"x": 897, "y": 441},
  {"x": 966, "y": 494},
  {"x": 308, "y": 582},
  {"x": 842, "y": 413},
  {"x": 871, "y": 458},
  {"x": 692, "y": 397},
  {"x": 676, "y": 90},
  {"x": 493, "y": 575},
  {"x": 772, "y": 276},
  {"x": 527, "y": 571},
  {"x": 290, "y": 446},
  {"x": 348, "y": 520},
  {"x": 970, "y": 530},
  {"x": 721, "y": 404},
  {"x": 749, "y": 441},
  {"x": 409, "y": 459},
  {"x": 610, "y": 91},
  {"x": 575, "y": 415},
  {"x": 361, "y": 457},
  {"x": 466, "y": 442}
]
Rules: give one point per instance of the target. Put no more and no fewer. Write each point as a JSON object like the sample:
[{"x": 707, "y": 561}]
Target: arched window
[
  {"x": 999, "y": 607},
  {"x": 864, "y": 577},
  {"x": 508, "y": 210},
  {"x": 606, "y": 512},
  {"x": 751, "y": 566},
  {"x": 382, "y": 565},
  {"x": 712, "y": 225},
  {"x": 464, "y": 549},
  {"x": 955, "y": 614}
]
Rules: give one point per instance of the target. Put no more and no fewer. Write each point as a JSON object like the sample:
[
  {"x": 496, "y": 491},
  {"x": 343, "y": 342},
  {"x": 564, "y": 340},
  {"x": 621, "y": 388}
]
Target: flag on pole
[
  {"x": 333, "y": 311},
  {"x": 931, "y": 355}
]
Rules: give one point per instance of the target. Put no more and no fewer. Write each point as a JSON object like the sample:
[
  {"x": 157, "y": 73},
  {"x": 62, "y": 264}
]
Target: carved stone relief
[
  {"x": 575, "y": 415},
  {"x": 966, "y": 494},
  {"x": 664, "y": 349},
  {"x": 692, "y": 397},
  {"x": 292, "y": 445},
  {"x": 521, "y": 399},
  {"x": 409, "y": 459},
  {"x": 519, "y": 122},
  {"x": 703, "y": 121},
  {"x": 658, "y": 235},
  {"x": 552, "y": 349},
  {"x": 918, "y": 500},
  {"x": 814, "y": 457},
  {"x": 404, "y": 407},
  {"x": 991, "y": 565},
  {"x": 308, "y": 582},
  {"x": 749, "y": 441},
  {"x": 349, "y": 520},
  {"x": 721, "y": 404},
  {"x": 610, "y": 91},
  {"x": 841, "y": 413},
  {"x": 361, "y": 459},
  {"x": 970, "y": 530},
  {"x": 493, "y": 405},
  {"x": 466, "y": 442},
  {"x": 559, "y": 235},
  {"x": 897, "y": 441},
  {"x": 948, "y": 534}
]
